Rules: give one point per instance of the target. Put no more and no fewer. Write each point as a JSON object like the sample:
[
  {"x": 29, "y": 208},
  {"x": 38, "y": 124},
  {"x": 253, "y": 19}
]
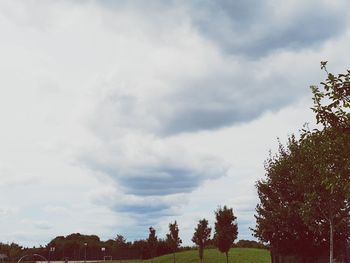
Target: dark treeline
[
  {"x": 72, "y": 247},
  {"x": 79, "y": 247},
  {"x": 250, "y": 244},
  {"x": 89, "y": 247}
]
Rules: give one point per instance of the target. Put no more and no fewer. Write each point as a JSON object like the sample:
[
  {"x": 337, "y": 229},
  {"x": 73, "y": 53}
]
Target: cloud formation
[
  {"x": 255, "y": 29},
  {"x": 118, "y": 115}
]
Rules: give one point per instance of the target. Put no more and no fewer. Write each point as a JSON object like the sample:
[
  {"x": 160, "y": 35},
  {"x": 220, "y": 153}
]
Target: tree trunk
[
  {"x": 331, "y": 234},
  {"x": 226, "y": 257}
]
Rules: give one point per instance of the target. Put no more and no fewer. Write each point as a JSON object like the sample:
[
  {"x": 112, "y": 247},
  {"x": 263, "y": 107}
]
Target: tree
[
  {"x": 226, "y": 229},
  {"x": 332, "y": 101},
  {"x": 307, "y": 188},
  {"x": 326, "y": 206},
  {"x": 201, "y": 236},
  {"x": 13, "y": 251},
  {"x": 282, "y": 195},
  {"x": 305, "y": 199},
  {"x": 152, "y": 241},
  {"x": 120, "y": 241},
  {"x": 173, "y": 237},
  {"x": 332, "y": 109}
]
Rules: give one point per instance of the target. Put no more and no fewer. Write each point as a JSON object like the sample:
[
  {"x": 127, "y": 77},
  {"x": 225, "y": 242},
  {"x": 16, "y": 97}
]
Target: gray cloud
[
  {"x": 161, "y": 181},
  {"x": 145, "y": 209},
  {"x": 150, "y": 184},
  {"x": 256, "y": 28},
  {"x": 43, "y": 225},
  {"x": 228, "y": 92},
  {"x": 219, "y": 101},
  {"x": 129, "y": 81},
  {"x": 150, "y": 180},
  {"x": 209, "y": 102},
  {"x": 232, "y": 79}
]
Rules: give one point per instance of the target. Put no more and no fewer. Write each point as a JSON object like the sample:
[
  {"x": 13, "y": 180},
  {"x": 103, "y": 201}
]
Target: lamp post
[
  {"x": 51, "y": 250},
  {"x": 85, "y": 245},
  {"x": 103, "y": 249}
]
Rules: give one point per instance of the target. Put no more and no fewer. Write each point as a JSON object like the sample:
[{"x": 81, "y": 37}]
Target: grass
[{"x": 236, "y": 255}]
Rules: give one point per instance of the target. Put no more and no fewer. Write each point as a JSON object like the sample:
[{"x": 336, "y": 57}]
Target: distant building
[{"x": 3, "y": 257}]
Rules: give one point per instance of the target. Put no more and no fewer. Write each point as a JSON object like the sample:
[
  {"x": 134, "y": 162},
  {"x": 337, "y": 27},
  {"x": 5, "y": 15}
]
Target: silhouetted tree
[
  {"x": 332, "y": 108},
  {"x": 152, "y": 241},
  {"x": 332, "y": 100},
  {"x": 304, "y": 200},
  {"x": 12, "y": 251},
  {"x": 201, "y": 236},
  {"x": 163, "y": 247},
  {"x": 278, "y": 216},
  {"x": 226, "y": 229},
  {"x": 173, "y": 238},
  {"x": 120, "y": 241}
]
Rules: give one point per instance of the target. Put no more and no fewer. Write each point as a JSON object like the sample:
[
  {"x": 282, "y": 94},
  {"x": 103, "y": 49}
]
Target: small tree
[
  {"x": 173, "y": 237},
  {"x": 152, "y": 241},
  {"x": 201, "y": 236},
  {"x": 332, "y": 100},
  {"x": 332, "y": 108},
  {"x": 120, "y": 241},
  {"x": 226, "y": 229}
]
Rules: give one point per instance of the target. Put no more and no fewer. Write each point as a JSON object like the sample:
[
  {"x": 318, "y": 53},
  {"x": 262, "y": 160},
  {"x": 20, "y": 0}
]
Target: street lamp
[
  {"x": 85, "y": 245},
  {"x": 103, "y": 249},
  {"x": 51, "y": 249}
]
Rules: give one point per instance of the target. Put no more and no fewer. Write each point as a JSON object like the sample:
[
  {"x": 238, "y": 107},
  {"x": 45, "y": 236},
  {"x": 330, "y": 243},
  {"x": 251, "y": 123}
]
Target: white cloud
[{"x": 101, "y": 106}]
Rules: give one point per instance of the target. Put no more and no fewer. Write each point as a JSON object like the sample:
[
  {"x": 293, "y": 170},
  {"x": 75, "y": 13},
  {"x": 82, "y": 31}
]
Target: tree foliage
[
  {"x": 332, "y": 100},
  {"x": 152, "y": 241},
  {"x": 201, "y": 236},
  {"x": 12, "y": 251},
  {"x": 304, "y": 199},
  {"x": 226, "y": 229},
  {"x": 173, "y": 237}
]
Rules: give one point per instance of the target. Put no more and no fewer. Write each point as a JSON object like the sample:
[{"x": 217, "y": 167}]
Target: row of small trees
[
  {"x": 226, "y": 232},
  {"x": 77, "y": 246},
  {"x": 305, "y": 198}
]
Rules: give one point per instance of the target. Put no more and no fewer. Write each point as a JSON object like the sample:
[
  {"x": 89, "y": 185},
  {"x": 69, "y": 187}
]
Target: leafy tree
[
  {"x": 226, "y": 229},
  {"x": 120, "y": 241},
  {"x": 281, "y": 195},
  {"x": 332, "y": 109},
  {"x": 12, "y": 251},
  {"x": 152, "y": 241},
  {"x": 304, "y": 201},
  {"x": 326, "y": 206},
  {"x": 332, "y": 100},
  {"x": 173, "y": 238},
  {"x": 201, "y": 236}
]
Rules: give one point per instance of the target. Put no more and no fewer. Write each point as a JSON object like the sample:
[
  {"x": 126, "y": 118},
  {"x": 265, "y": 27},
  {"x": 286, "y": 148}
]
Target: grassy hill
[{"x": 236, "y": 255}]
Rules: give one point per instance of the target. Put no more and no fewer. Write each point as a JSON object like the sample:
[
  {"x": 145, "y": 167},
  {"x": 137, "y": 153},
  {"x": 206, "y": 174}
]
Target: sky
[{"x": 121, "y": 115}]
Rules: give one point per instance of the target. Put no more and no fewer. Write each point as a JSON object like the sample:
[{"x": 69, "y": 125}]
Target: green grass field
[{"x": 236, "y": 255}]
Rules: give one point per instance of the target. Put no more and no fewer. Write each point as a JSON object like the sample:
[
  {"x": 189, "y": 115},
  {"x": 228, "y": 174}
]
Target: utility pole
[{"x": 85, "y": 245}]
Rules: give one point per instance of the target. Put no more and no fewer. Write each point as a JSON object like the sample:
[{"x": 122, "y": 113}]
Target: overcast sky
[{"x": 120, "y": 115}]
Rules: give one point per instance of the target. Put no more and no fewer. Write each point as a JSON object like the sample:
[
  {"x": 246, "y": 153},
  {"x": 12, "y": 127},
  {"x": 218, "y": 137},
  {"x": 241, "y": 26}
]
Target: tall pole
[
  {"x": 103, "y": 249},
  {"x": 51, "y": 249},
  {"x": 85, "y": 245}
]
